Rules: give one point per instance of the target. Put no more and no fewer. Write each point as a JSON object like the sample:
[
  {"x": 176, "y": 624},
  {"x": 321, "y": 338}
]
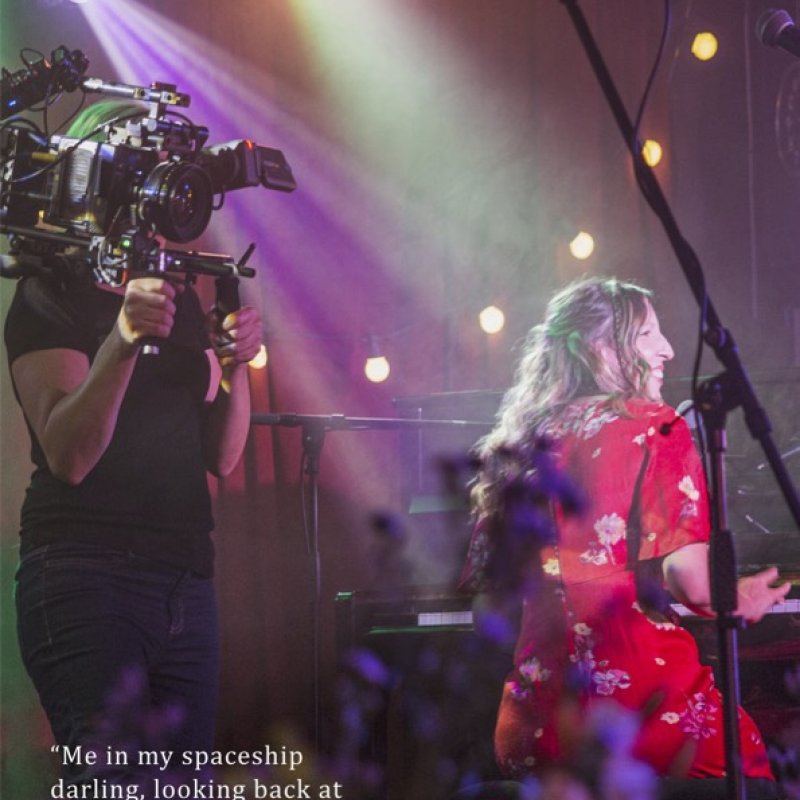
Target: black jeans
[{"x": 123, "y": 652}]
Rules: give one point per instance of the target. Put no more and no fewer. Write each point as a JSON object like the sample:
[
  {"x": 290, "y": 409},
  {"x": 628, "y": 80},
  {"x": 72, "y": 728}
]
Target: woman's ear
[
  {"x": 605, "y": 366},
  {"x": 606, "y": 355}
]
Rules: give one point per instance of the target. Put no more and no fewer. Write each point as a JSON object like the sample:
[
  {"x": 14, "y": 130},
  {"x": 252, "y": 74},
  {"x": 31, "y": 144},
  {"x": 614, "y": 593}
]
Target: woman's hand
[
  {"x": 687, "y": 578},
  {"x": 756, "y": 595},
  {"x": 148, "y": 309},
  {"x": 236, "y": 338}
]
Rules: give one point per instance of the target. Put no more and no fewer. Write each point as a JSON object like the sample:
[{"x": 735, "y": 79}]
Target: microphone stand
[
  {"x": 716, "y": 400},
  {"x": 314, "y": 428},
  {"x": 730, "y": 389}
]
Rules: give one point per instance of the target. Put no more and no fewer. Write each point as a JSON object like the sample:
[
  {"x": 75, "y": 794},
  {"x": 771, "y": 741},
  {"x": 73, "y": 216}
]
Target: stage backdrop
[{"x": 446, "y": 152}]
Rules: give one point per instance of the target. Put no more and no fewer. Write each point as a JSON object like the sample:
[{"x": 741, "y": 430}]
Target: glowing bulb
[
  {"x": 492, "y": 319},
  {"x": 259, "y": 360},
  {"x": 704, "y": 46},
  {"x": 582, "y": 246},
  {"x": 652, "y": 152},
  {"x": 376, "y": 368}
]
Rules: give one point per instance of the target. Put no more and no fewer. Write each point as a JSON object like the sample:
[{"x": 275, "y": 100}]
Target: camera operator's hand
[
  {"x": 236, "y": 338},
  {"x": 147, "y": 310}
]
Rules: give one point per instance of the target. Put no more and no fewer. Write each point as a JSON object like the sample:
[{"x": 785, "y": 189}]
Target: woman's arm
[
  {"x": 235, "y": 341},
  {"x": 71, "y": 406},
  {"x": 687, "y": 578}
]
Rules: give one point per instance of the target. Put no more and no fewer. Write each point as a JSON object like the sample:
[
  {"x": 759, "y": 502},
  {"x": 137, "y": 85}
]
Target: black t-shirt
[{"x": 148, "y": 493}]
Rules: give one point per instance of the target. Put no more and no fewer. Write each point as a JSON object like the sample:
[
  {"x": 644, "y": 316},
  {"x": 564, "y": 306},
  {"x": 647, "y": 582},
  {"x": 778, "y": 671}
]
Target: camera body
[
  {"x": 160, "y": 179},
  {"x": 138, "y": 179}
]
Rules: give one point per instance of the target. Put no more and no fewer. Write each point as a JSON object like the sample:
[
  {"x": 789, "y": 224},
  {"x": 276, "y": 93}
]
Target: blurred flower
[{"x": 368, "y": 666}]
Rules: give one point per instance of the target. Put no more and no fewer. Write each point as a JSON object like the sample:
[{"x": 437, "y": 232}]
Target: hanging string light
[
  {"x": 492, "y": 319},
  {"x": 704, "y": 46},
  {"x": 376, "y": 366},
  {"x": 582, "y": 246},
  {"x": 259, "y": 360},
  {"x": 652, "y": 152}
]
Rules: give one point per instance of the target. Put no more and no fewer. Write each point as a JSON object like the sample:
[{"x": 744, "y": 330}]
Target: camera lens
[{"x": 177, "y": 198}]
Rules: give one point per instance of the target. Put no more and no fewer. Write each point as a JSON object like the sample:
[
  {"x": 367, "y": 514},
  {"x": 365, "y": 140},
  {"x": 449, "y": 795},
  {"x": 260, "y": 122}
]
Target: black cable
[
  {"x": 15, "y": 121},
  {"x": 25, "y": 61},
  {"x": 639, "y": 166},
  {"x": 19, "y": 122},
  {"x": 75, "y": 113},
  {"x": 31, "y": 175},
  {"x": 636, "y": 149}
]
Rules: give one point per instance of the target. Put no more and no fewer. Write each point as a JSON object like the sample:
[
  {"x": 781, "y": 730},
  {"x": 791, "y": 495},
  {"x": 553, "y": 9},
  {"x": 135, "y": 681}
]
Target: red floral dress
[{"x": 638, "y": 660}]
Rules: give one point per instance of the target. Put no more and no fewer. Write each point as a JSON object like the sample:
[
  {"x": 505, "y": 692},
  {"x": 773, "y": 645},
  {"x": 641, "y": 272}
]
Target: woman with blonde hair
[{"x": 589, "y": 383}]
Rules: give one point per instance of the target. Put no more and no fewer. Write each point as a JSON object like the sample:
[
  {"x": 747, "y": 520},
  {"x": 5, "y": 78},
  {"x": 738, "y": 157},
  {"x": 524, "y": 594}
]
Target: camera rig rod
[
  {"x": 156, "y": 93},
  {"x": 194, "y": 262},
  {"x": 79, "y": 251}
]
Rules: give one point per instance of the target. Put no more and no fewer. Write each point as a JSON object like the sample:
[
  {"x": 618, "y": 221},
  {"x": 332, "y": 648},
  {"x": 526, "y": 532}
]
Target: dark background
[{"x": 446, "y": 151}]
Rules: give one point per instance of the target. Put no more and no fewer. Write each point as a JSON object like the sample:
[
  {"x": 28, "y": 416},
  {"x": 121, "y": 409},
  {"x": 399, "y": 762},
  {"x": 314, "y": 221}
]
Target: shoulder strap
[
  {"x": 650, "y": 593},
  {"x": 633, "y": 526}
]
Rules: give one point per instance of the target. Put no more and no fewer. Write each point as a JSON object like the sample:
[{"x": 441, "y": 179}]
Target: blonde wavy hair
[{"x": 585, "y": 346}]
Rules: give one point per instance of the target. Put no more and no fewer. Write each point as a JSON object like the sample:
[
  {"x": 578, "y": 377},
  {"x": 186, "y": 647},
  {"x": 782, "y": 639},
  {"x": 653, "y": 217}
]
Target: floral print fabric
[{"x": 605, "y": 642}]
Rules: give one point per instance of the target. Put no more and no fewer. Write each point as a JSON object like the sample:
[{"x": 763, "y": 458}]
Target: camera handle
[
  {"x": 226, "y": 283},
  {"x": 227, "y": 299},
  {"x": 151, "y": 344}
]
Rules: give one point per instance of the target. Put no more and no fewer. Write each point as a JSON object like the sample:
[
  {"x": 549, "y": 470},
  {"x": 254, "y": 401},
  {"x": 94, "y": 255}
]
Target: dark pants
[{"x": 123, "y": 651}]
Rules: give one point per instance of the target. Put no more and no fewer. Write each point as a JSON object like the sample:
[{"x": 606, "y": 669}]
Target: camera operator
[{"x": 116, "y": 611}]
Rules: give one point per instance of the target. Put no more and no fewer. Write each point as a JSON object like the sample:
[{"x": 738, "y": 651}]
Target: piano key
[{"x": 433, "y": 618}]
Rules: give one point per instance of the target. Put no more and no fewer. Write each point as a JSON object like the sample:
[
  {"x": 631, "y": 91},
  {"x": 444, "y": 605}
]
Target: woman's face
[{"x": 654, "y": 349}]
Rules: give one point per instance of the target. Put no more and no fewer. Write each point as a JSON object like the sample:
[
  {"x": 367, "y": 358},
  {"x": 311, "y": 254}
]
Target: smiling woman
[
  {"x": 654, "y": 349},
  {"x": 596, "y": 625}
]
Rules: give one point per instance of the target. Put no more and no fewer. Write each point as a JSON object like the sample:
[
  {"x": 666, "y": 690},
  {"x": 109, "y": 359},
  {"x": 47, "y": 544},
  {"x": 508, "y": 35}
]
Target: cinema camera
[{"x": 113, "y": 204}]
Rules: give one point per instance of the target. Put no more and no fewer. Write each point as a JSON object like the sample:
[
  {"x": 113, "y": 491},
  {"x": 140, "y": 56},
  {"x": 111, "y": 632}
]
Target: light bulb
[
  {"x": 582, "y": 246},
  {"x": 259, "y": 360},
  {"x": 377, "y": 369},
  {"x": 492, "y": 319},
  {"x": 652, "y": 152},
  {"x": 704, "y": 46}
]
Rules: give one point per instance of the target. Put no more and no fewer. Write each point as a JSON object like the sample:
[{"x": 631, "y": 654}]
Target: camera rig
[{"x": 112, "y": 199}]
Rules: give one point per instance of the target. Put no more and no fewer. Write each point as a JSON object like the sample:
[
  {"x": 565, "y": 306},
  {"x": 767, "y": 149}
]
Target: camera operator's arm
[
  {"x": 236, "y": 340},
  {"x": 71, "y": 405}
]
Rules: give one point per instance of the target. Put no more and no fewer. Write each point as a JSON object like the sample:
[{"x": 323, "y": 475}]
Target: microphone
[
  {"x": 41, "y": 79},
  {"x": 775, "y": 28},
  {"x": 685, "y": 411}
]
